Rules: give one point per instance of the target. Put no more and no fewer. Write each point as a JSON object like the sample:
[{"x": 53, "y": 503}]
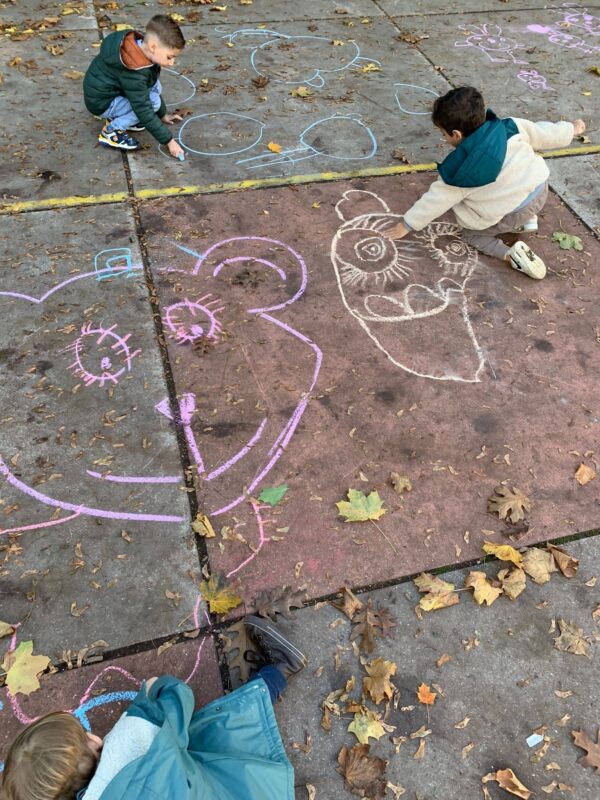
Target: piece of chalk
[
  {"x": 534, "y": 739},
  {"x": 181, "y": 157}
]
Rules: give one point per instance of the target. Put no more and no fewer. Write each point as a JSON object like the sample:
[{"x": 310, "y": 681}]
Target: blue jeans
[
  {"x": 275, "y": 680},
  {"x": 120, "y": 114}
]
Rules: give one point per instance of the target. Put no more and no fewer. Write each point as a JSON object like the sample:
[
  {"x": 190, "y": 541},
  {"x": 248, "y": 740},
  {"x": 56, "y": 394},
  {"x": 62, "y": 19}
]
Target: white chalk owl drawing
[{"x": 409, "y": 295}]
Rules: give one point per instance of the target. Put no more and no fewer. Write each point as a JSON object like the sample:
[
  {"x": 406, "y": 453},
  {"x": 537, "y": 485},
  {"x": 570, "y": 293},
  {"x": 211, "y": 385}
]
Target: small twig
[{"x": 385, "y": 537}]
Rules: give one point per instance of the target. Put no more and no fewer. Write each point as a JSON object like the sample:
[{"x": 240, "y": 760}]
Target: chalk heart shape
[
  {"x": 407, "y": 295},
  {"x": 91, "y": 432}
]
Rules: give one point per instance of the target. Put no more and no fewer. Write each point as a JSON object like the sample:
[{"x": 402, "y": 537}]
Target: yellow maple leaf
[
  {"x": 504, "y": 552},
  {"x": 378, "y": 685},
  {"x": 274, "y": 147},
  {"x": 220, "y": 597},
  {"x": 22, "y": 669},
  {"x": 483, "y": 591},
  {"x": 538, "y": 564},
  {"x": 361, "y": 507},
  {"x": 370, "y": 67},
  {"x": 440, "y": 594},
  {"x": 366, "y": 726},
  {"x": 425, "y": 695}
]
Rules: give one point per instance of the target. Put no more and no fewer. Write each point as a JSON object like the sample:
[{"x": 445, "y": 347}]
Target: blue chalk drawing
[
  {"x": 361, "y": 137},
  {"x": 112, "y": 697},
  {"x": 191, "y": 91},
  {"x": 114, "y": 262},
  {"x": 400, "y": 90},
  {"x": 282, "y": 55},
  {"x": 223, "y": 120}
]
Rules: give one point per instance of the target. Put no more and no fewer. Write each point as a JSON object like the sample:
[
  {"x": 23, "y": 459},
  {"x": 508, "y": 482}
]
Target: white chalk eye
[{"x": 371, "y": 249}]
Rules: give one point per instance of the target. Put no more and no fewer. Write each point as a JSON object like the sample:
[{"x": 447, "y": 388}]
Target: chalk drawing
[
  {"x": 586, "y": 27},
  {"x": 297, "y": 60},
  {"x": 532, "y": 79},
  {"x": 221, "y": 133},
  {"x": 489, "y": 39},
  {"x": 409, "y": 94},
  {"x": 113, "y": 263},
  {"x": 340, "y": 137},
  {"x": 184, "y": 319},
  {"x": 408, "y": 296},
  {"x": 579, "y": 17},
  {"x": 111, "y": 351},
  {"x": 189, "y": 88}
]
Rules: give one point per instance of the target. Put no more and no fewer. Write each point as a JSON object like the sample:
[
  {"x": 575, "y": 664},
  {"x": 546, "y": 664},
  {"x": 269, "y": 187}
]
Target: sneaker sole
[
  {"x": 108, "y": 143},
  {"x": 256, "y": 622},
  {"x": 535, "y": 268}
]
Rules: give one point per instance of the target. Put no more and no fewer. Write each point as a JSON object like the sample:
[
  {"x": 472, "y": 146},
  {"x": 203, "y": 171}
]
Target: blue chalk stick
[{"x": 181, "y": 157}]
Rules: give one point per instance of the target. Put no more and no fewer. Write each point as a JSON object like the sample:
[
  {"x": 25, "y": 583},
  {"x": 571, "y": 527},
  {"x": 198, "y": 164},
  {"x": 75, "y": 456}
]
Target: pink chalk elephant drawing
[{"x": 119, "y": 459}]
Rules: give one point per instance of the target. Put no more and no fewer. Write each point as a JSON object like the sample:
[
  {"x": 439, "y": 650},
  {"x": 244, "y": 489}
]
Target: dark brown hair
[
  {"x": 461, "y": 109},
  {"x": 49, "y": 760},
  {"x": 167, "y": 30}
]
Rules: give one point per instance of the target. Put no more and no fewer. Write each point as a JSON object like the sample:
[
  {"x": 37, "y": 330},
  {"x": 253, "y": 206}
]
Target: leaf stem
[{"x": 385, "y": 537}]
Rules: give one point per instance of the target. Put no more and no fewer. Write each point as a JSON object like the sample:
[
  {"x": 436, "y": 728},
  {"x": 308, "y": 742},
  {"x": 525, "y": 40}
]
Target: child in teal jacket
[
  {"x": 122, "y": 84},
  {"x": 161, "y": 750}
]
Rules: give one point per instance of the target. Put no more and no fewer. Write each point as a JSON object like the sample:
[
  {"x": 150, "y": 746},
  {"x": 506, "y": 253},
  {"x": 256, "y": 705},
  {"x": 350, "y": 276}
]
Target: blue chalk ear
[{"x": 356, "y": 202}]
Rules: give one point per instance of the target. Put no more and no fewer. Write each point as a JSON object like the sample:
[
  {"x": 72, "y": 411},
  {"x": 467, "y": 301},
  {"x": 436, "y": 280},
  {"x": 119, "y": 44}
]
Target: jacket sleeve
[
  {"x": 545, "y": 135},
  {"x": 136, "y": 91},
  {"x": 168, "y": 701},
  {"x": 439, "y": 198}
]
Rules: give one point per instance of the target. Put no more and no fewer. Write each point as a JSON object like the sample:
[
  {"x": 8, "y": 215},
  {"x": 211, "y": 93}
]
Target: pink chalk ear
[
  {"x": 357, "y": 202},
  {"x": 539, "y": 29}
]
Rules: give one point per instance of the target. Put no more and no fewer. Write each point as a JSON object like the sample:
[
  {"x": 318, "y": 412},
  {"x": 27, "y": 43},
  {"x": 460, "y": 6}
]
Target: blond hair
[
  {"x": 49, "y": 760},
  {"x": 167, "y": 31}
]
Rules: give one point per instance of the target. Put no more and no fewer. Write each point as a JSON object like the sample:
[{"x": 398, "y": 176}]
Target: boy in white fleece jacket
[{"x": 494, "y": 181}]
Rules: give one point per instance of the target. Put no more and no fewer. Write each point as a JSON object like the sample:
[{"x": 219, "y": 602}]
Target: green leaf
[
  {"x": 22, "y": 669},
  {"x": 567, "y": 241},
  {"x": 365, "y": 726},
  {"x": 273, "y": 495},
  {"x": 361, "y": 507}
]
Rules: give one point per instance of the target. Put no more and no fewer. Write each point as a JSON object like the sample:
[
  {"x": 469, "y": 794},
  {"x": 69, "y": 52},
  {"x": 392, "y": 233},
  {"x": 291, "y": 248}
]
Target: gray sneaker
[{"x": 273, "y": 645}]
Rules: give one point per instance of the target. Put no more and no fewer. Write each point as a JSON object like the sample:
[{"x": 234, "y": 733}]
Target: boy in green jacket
[
  {"x": 160, "y": 749},
  {"x": 122, "y": 84}
]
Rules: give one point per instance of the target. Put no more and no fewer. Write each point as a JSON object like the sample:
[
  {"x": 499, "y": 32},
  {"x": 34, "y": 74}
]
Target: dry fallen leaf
[
  {"x": 592, "y": 757},
  {"x": 279, "y": 600},
  {"x": 311, "y": 791},
  {"x": 364, "y": 775},
  {"x": 6, "y": 629},
  {"x": 571, "y": 639},
  {"x": 73, "y": 74},
  {"x": 513, "y": 582},
  {"x": 538, "y": 564},
  {"x": 420, "y": 751},
  {"x": 467, "y": 749},
  {"x": 370, "y": 622},
  {"x": 274, "y": 147},
  {"x": 365, "y": 726},
  {"x": 401, "y": 483},
  {"x": 509, "y": 503},
  {"x": 202, "y": 526},
  {"x": 349, "y": 604},
  {"x": 220, "y": 597},
  {"x": 463, "y": 723},
  {"x": 361, "y": 507},
  {"x": 504, "y": 552},
  {"x": 378, "y": 685},
  {"x": 425, "y": 695},
  {"x": 507, "y": 780},
  {"x": 443, "y": 659},
  {"x": 23, "y": 668},
  {"x": 439, "y": 593},
  {"x": 566, "y": 563},
  {"x": 301, "y": 91},
  {"x": 584, "y": 474},
  {"x": 483, "y": 591}
]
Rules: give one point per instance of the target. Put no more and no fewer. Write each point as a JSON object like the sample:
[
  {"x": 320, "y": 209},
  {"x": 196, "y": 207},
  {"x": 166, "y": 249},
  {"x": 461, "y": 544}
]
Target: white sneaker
[
  {"x": 523, "y": 259},
  {"x": 531, "y": 226}
]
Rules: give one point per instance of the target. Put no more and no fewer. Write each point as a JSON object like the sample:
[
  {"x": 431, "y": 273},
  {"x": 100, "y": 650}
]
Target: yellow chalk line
[{"x": 235, "y": 186}]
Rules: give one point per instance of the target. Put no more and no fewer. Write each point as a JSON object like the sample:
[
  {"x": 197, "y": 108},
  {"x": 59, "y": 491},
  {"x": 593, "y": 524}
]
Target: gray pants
[{"x": 487, "y": 241}]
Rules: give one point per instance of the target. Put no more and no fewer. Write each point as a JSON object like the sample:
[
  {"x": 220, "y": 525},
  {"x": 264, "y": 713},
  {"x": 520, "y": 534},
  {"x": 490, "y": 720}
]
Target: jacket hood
[
  {"x": 478, "y": 159},
  {"x": 110, "y": 49}
]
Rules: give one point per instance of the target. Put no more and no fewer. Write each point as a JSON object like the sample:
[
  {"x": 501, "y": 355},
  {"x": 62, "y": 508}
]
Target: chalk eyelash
[
  {"x": 182, "y": 331},
  {"x": 101, "y": 335}
]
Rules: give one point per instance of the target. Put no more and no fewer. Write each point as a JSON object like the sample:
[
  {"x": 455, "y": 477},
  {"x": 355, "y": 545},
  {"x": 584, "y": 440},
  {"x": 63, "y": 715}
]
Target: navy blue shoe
[
  {"x": 118, "y": 139},
  {"x": 274, "y": 647}
]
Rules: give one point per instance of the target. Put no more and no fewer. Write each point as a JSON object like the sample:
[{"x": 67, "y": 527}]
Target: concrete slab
[
  {"x": 528, "y": 63},
  {"x": 99, "y": 694},
  {"x": 350, "y": 120},
  {"x": 99, "y": 541},
  {"x": 62, "y": 14},
  {"x": 576, "y": 180},
  {"x": 506, "y": 685},
  {"x": 55, "y": 152},
  {"x": 482, "y": 376},
  {"x": 427, "y": 8},
  {"x": 259, "y": 11}
]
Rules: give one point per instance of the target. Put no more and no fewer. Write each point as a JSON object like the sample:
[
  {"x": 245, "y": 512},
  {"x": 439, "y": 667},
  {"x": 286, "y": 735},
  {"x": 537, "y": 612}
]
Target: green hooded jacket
[
  {"x": 107, "y": 77},
  {"x": 229, "y": 750}
]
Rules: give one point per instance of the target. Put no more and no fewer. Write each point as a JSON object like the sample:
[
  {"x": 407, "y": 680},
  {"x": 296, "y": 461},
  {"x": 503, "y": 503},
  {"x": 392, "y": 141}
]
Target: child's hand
[
  {"x": 175, "y": 150},
  {"x": 578, "y": 127},
  {"x": 171, "y": 118},
  {"x": 399, "y": 231}
]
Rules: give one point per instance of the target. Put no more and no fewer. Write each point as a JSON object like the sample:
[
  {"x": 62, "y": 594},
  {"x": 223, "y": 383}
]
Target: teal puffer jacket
[
  {"x": 229, "y": 750},
  {"x": 107, "y": 77}
]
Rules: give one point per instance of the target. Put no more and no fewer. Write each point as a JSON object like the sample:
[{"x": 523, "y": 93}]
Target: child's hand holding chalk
[{"x": 175, "y": 150}]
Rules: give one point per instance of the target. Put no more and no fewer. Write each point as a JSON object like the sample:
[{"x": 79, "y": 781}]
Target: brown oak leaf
[
  {"x": 349, "y": 604},
  {"x": 364, "y": 775},
  {"x": 592, "y": 757},
  {"x": 280, "y": 601},
  {"x": 370, "y": 622},
  {"x": 566, "y": 563}
]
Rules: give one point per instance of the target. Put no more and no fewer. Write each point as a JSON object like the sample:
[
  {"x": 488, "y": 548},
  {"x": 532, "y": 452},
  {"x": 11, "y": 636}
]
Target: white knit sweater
[{"x": 481, "y": 207}]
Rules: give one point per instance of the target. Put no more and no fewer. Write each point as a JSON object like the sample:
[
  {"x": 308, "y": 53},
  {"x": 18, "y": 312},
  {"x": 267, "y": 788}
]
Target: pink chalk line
[{"x": 39, "y": 525}]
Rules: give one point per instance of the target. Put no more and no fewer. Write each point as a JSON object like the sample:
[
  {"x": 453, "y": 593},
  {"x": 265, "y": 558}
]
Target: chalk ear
[
  {"x": 492, "y": 30},
  {"x": 356, "y": 202}
]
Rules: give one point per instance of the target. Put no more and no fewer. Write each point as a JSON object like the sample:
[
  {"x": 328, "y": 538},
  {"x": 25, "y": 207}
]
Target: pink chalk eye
[
  {"x": 188, "y": 320},
  {"x": 101, "y": 355}
]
